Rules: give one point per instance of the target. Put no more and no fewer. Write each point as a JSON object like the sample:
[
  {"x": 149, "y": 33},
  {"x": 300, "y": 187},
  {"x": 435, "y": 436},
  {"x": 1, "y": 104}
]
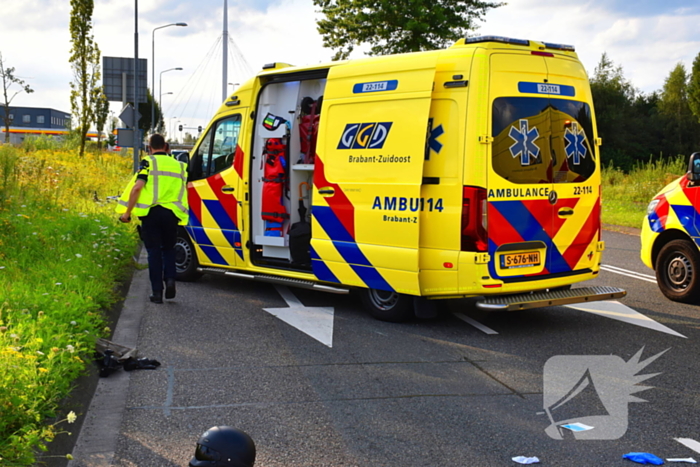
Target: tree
[
  {"x": 674, "y": 105},
  {"x": 85, "y": 61},
  {"x": 397, "y": 26},
  {"x": 111, "y": 136},
  {"x": 101, "y": 113},
  {"x": 145, "y": 111},
  {"x": 694, "y": 88},
  {"x": 613, "y": 96},
  {"x": 8, "y": 80}
]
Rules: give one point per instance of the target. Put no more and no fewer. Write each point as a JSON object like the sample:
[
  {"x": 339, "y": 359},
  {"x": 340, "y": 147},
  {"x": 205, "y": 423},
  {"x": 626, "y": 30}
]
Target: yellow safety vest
[{"x": 166, "y": 186}]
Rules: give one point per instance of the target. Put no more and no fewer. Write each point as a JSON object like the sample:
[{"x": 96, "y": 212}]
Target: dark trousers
[{"x": 159, "y": 234}]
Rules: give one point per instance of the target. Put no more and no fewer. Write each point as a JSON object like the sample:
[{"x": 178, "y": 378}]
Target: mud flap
[{"x": 424, "y": 308}]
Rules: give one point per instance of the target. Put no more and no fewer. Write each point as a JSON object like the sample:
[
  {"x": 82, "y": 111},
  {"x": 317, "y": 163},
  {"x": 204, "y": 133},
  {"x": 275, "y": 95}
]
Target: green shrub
[{"x": 62, "y": 252}]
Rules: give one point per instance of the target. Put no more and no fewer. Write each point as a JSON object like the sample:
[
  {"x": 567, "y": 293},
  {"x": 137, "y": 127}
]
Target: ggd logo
[{"x": 364, "y": 135}]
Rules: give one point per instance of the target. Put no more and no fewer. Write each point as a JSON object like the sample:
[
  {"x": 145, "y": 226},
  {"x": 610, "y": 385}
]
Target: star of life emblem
[
  {"x": 575, "y": 149},
  {"x": 524, "y": 147}
]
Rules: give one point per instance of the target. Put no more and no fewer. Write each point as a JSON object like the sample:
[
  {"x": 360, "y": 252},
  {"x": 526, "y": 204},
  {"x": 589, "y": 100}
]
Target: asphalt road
[{"x": 425, "y": 393}]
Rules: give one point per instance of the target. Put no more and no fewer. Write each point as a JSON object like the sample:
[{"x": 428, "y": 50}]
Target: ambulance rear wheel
[
  {"x": 386, "y": 305},
  {"x": 186, "y": 263},
  {"x": 678, "y": 271}
]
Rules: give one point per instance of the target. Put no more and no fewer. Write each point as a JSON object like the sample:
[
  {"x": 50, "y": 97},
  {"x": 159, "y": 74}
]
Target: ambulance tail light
[{"x": 474, "y": 220}]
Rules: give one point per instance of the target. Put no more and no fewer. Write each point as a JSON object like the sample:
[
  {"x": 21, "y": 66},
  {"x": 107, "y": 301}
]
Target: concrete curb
[{"x": 98, "y": 436}]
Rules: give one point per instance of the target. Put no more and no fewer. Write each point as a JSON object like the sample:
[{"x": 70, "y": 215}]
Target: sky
[{"x": 647, "y": 38}]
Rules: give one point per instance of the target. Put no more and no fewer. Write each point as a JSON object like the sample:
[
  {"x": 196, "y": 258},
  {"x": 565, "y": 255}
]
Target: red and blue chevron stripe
[
  {"x": 535, "y": 220},
  {"x": 338, "y": 221},
  {"x": 223, "y": 210}
]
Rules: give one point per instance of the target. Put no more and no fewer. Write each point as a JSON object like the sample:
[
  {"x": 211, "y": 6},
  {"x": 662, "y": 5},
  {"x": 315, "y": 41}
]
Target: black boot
[
  {"x": 169, "y": 288},
  {"x": 157, "y": 296}
]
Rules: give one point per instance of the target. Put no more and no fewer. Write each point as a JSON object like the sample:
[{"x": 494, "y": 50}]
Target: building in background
[{"x": 34, "y": 121}]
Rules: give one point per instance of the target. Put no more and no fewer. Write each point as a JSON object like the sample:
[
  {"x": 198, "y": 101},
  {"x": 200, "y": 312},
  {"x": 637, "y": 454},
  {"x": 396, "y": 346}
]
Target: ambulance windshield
[{"x": 542, "y": 140}]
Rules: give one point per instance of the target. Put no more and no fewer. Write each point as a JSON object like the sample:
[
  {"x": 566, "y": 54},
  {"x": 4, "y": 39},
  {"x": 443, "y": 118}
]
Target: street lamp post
[
  {"x": 160, "y": 86},
  {"x": 153, "y": 69},
  {"x": 160, "y": 105},
  {"x": 171, "y": 131}
]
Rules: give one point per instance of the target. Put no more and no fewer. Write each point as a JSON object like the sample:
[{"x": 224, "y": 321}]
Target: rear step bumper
[
  {"x": 551, "y": 298},
  {"x": 276, "y": 280}
]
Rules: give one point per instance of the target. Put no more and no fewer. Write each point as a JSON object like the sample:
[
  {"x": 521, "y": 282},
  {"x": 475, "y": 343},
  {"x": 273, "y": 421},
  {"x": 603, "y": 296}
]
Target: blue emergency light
[
  {"x": 501, "y": 39},
  {"x": 567, "y": 48}
]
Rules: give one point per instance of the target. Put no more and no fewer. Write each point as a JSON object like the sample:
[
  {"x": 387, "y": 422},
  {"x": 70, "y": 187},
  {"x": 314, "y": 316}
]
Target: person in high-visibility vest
[{"x": 157, "y": 195}]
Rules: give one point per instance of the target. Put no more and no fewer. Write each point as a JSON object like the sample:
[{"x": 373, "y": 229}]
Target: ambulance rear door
[
  {"x": 368, "y": 173},
  {"x": 543, "y": 189},
  {"x": 576, "y": 169}
]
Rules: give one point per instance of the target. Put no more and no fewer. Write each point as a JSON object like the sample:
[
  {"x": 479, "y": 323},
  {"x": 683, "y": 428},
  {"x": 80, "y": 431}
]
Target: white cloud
[{"x": 646, "y": 46}]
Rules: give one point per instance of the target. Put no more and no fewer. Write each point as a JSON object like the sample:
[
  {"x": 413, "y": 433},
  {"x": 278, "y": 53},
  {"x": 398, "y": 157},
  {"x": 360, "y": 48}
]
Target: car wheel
[
  {"x": 386, "y": 305},
  {"x": 678, "y": 271},
  {"x": 186, "y": 262}
]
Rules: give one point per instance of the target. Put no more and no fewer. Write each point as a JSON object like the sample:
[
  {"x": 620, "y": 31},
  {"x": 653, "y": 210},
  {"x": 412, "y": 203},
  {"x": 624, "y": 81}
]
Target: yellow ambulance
[
  {"x": 670, "y": 236},
  {"x": 466, "y": 172}
]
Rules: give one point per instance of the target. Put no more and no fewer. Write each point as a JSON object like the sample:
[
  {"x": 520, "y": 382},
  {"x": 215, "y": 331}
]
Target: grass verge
[
  {"x": 626, "y": 195},
  {"x": 61, "y": 254}
]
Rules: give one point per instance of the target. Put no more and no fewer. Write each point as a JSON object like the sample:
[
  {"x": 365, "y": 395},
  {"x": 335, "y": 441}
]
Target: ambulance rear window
[{"x": 542, "y": 140}]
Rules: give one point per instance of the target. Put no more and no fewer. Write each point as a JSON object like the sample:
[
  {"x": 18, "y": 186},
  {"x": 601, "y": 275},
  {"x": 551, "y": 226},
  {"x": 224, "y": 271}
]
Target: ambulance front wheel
[
  {"x": 185, "y": 258},
  {"x": 385, "y": 305},
  {"x": 678, "y": 271}
]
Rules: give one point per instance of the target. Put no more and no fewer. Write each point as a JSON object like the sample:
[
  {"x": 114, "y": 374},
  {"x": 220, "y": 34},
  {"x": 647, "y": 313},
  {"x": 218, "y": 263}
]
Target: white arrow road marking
[
  {"x": 616, "y": 310},
  {"x": 690, "y": 443},
  {"x": 628, "y": 273},
  {"x": 475, "y": 323},
  {"x": 316, "y": 322}
]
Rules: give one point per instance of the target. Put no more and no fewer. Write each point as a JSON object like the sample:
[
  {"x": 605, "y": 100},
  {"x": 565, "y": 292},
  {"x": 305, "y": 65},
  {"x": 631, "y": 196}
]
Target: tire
[
  {"x": 678, "y": 271},
  {"x": 186, "y": 262},
  {"x": 387, "y": 306}
]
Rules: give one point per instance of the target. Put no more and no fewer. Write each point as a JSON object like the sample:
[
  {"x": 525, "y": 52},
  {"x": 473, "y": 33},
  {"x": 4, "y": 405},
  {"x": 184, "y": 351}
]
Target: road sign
[
  {"x": 118, "y": 72},
  {"x": 127, "y": 115},
  {"x": 125, "y": 137}
]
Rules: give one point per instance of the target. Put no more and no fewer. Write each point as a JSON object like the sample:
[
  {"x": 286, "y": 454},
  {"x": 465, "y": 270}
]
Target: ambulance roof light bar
[
  {"x": 567, "y": 48},
  {"x": 501, "y": 39}
]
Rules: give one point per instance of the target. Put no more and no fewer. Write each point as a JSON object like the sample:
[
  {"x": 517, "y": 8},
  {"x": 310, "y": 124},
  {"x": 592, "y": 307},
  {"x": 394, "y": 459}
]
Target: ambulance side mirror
[
  {"x": 694, "y": 167},
  {"x": 183, "y": 157}
]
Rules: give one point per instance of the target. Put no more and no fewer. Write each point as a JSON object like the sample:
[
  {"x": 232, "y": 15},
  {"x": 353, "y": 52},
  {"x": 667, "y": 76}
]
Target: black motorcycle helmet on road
[{"x": 224, "y": 446}]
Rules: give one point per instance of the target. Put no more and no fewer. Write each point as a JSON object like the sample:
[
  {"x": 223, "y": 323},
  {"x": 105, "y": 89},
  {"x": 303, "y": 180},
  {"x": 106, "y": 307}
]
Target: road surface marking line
[
  {"x": 634, "y": 275},
  {"x": 476, "y": 324},
  {"x": 689, "y": 443},
  {"x": 615, "y": 310},
  {"x": 607, "y": 266},
  {"x": 314, "y": 321},
  {"x": 288, "y": 296}
]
